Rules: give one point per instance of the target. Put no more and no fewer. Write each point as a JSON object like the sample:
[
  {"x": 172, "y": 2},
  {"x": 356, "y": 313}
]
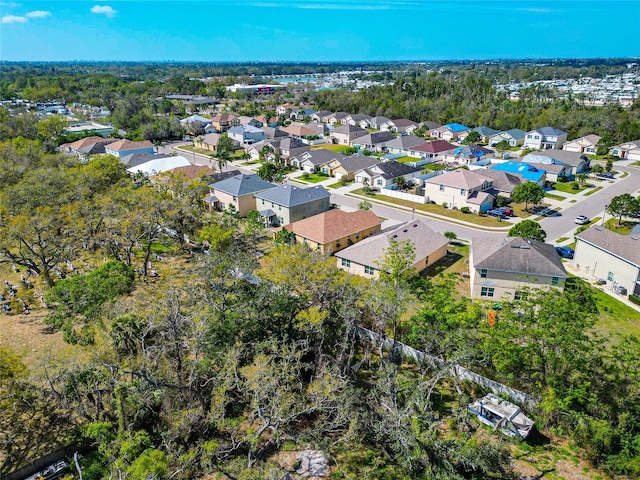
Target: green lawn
[
  {"x": 614, "y": 316},
  {"x": 339, "y": 184},
  {"x": 437, "y": 209},
  {"x": 407, "y": 159},
  {"x": 566, "y": 187},
  {"x": 312, "y": 178},
  {"x": 191, "y": 148},
  {"x": 432, "y": 167},
  {"x": 636, "y": 164},
  {"x": 591, "y": 192},
  {"x": 334, "y": 147},
  {"x": 555, "y": 197},
  {"x": 624, "y": 228}
]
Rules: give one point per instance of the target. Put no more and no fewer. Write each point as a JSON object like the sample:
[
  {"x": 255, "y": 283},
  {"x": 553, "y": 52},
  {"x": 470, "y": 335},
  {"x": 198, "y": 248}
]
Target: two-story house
[
  {"x": 461, "y": 188},
  {"x": 508, "y": 269},
  {"x": 122, "y": 148},
  {"x": 587, "y": 145},
  {"x": 223, "y": 122},
  {"x": 287, "y": 203},
  {"x": 545, "y": 138},
  {"x": 515, "y": 137},
  {"x": 245, "y": 134},
  {"x": 345, "y": 134},
  {"x": 237, "y": 193}
]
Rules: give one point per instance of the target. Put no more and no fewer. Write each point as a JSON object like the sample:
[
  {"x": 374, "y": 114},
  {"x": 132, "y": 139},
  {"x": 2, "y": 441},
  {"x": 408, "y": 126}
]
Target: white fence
[{"x": 403, "y": 195}]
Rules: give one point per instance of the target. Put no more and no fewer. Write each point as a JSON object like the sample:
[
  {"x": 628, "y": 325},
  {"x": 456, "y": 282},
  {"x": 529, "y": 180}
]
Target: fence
[
  {"x": 403, "y": 195},
  {"x": 458, "y": 371}
]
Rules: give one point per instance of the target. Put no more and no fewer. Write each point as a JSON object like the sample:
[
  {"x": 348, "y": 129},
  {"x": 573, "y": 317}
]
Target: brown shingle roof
[
  {"x": 125, "y": 144},
  {"x": 333, "y": 225},
  {"x": 437, "y": 146},
  {"x": 87, "y": 141}
]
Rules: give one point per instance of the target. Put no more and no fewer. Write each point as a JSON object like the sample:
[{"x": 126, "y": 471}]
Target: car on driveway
[
  {"x": 609, "y": 175},
  {"x": 506, "y": 210},
  {"x": 565, "y": 252},
  {"x": 496, "y": 213},
  {"x": 582, "y": 220}
]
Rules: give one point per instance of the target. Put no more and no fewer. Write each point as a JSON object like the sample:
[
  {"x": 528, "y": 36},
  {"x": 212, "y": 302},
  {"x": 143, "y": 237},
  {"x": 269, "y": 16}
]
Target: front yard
[
  {"x": 311, "y": 178},
  {"x": 624, "y": 228},
  {"x": 567, "y": 187}
]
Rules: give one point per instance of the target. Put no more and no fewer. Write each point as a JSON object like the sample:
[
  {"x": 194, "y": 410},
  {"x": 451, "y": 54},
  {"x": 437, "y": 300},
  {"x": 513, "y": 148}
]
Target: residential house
[
  {"x": 433, "y": 151},
  {"x": 85, "y": 147},
  {"x": 587, "y": 145},
  {"x": 345, "y": 134},
  {"x": 506, "y": 270},
  {"x": 628, "y": 150},
  {"x": 468, "y": 155},
  {"x": 335, "y": 230},
  {"x": 122, "y": 148},
  {"x": 301, "y": 113},
  {"x": 204, "y": 121},
  {"x": 346, "y": 167},
  {"x": 400, "y": 125},
  {"x": 614, "y": 258},
  {"x": 545, "y": 138},
  {"x": 159, "y": 164},
  {"x": 268, "y": 121},
  {"x": 515, "y": 137},
  {"x": 290, "y": 147},
  {"x": 286, "y": 108},
  {"x": 237, "y": 193},
  {"x": 337, "y": 118},
  {"x": 299, "y": 131},
  {"x": 271, "y": 133},
  {"x": 376, "y": 122},
  {"x": 287, "y": 204},
  {"x": 485, "y": 134},
  {"x": 357, "y": 119},
  {"x": 555, "y": 169},
  {"x": 579, "y": 162},
  {"x": 254, "y": 122},
  {"x": 245, "y": 134},
  {"x": 373, "y": 142},
  {"x": 449, "y": 132},
  {"x": 366, "y": 258},
  {"x": 503, "y": 183},
  {"x": 403, "y": 144},
  {"x": 461, "y": 188},
  {"x": 384, "y": 174},
  {"x": 312, "y": 160},
  {"x": 138, "y": 158},
  {"x": 428, "y": 126},
  {"x": 223, "y": 122},
  {"x": 530, "y": 173},
  {"x": 321, "y": 116},
  {"x": 208, "y": 141}
]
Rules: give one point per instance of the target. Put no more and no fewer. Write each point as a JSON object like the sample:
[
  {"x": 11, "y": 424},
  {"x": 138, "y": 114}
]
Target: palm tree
[{"x": 581, "y": 178}]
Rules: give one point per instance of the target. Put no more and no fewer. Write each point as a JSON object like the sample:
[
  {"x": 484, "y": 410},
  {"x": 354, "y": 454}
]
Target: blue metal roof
[
  {"x": 528, "y": 172},
  {"x": 456, "y": 127}
]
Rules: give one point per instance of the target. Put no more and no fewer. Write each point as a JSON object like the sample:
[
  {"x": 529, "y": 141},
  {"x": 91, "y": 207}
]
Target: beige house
[
  {"x": 366, "y": 258},
  {"x": 628, "y": 150},
  {"x": 348, "y": 166},
  {"x": 603, "y": 254},
  {"x": 208, "y": 142},
  {"x": 507, "y": 269},
  {"x": 461, "y": 188},
  {"x": 346, "y": 133},
  {"x": 237, "y": 193},
  {"x": 587, "y": 144},
  {"x": 335, "y": 230}
]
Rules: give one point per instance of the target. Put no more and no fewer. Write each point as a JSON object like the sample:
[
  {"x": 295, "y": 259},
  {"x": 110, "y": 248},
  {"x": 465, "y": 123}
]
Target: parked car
[
  {"x": 606, "y": 175},
  {"x": 496, "y": 213},
  {"x": 506, "y": 210},
  {"x": 582, "y": 220},
  {"x": 565, "y": 252}
]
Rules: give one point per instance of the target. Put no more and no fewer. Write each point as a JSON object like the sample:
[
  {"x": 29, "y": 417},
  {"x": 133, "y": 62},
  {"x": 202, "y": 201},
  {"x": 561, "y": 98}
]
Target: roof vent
[
  {"x": 415, "y": 224},
  {"x": 394, "y": 236},
  {"x": 524, "y": 247},
  {"x": 405, "y": 230}
]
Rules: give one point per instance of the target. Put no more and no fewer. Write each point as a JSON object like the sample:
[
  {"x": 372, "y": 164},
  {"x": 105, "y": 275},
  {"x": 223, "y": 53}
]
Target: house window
[
  {"x": 346, "y": 263},
  {"x": 487, "y": 292},
  {"x": 483, "y": 273},
  {"x": 537, "y": 137},
  {"x": 442, "y": 188},
  {"x": 369, "y": 270},
  {"x": 554, "y": 280},
  {"x": 610, "y": 277},
  {"x": 520, "y": 295},
  {"x": 463, "y": 192},
  {"x": 235, "y": 199},
  {"x": 379, "y": 182},
  {"x": 357, "y": 235}
]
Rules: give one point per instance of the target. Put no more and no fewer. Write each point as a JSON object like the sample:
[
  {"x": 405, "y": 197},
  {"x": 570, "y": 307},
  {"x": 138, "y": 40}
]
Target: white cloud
[
  {"x": 14, "y": 19},
  {"x": 38, "y": 14},
  {"x": 104, "y": 10}
]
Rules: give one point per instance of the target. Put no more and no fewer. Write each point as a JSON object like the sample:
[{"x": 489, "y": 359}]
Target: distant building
[{"x": 89, "y": 127}]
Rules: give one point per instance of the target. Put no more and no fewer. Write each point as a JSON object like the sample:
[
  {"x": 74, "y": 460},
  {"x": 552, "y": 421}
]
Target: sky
[{"x": 316, "y": 30}]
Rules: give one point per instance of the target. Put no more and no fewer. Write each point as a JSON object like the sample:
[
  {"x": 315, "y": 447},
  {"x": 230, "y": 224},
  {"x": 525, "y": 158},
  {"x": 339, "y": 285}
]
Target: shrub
[
  {"x": 465, "y": 210},
  {"x": 323, "y": 174},
  {"x": 445, "y": 204},
  {"x": 305, "y": 176},
  {"x": 575, "y": 186},
  {"x": 635, "y": 299}
]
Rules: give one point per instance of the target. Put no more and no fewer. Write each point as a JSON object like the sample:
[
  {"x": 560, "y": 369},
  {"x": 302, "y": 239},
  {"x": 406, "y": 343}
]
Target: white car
[{"x": 582, "y": 220}]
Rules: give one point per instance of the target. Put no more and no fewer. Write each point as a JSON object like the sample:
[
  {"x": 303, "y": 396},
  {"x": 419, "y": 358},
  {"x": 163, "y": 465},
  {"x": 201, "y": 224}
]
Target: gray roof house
[
  {"x": 403, "y": 143},
  {"x": 312, "y": 160},
  {"x": 578, "y": 162},
  {"x": 377, "y": 122},
  {"x": 348, "y": 166},
  {"x": 365, "y": 257},
  {"x": 484, "y": 132},
  {"x": 384, "y": 174},
  {"x": 515, "y": 137},
  {"x": 614, "y": 258},
  {"x": 508, "y": 269},
  {"x": 287, "y": 203},
  {"x": 545, "y": 138},
  {"x": 237, "y": 192},
  {"x": 372, "y": 141}
]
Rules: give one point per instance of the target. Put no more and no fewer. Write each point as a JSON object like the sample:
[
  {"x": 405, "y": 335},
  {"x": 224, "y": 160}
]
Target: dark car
[
  {"x": 565, "y": 252},
  {"x": 496, "y": 213},
  {"x": 506, "y": 210},
  {"x": 606, "y": 175}
]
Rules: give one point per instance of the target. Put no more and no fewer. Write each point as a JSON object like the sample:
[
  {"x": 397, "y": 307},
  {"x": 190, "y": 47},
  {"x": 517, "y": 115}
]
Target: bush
[
  {"x": 635, "y": 299},
  {"x": 445, "y": 204},
  {"x": 323, "y": 174},
  {"x": 563, "y": 179},
  {"x": 575, "y": 186},
  {"x": 305, "y": 176},
  {"x": 465, "y": 210}
]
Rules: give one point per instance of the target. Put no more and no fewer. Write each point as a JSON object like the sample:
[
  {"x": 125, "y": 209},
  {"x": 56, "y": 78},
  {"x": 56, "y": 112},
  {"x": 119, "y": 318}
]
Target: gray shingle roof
[
  {"x": 135, "y": 159},
  {"x": 353, "y": 163},
  {"x": 291, "y": 196},
  {"x": 374, "y": 138},
  {"x": 371, "y": 250},
  {"x": 485, "y": 131},
  {"x": 404, "y": 141},
  {"x": 517, "y": 255},
  {"x": 318, "y": 157},
  {"x": 394, "y": 169},
  {"x": 572, "y": 159},
  {"x": 348, "y": 128},
  {"x": 550, "y": 131},
  {"x": 622, "y": 246},
  {"x": 242, "y": 185}
]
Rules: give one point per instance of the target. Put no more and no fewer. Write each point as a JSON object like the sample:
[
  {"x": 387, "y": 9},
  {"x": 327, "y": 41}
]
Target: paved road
[{"x": 592, "y": 206}]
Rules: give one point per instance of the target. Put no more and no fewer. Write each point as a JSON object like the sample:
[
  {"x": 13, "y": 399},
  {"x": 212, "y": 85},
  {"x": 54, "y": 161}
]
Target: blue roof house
[{"x": 526, "y": 171}]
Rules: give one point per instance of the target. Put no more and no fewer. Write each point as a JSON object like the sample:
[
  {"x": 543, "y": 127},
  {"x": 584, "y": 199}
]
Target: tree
[
  {"x": 266, "y": 153},
  {"x": 529, "y": 230},
  {"x": 528, "y": 192},
  {"x": 451, "y": 236},
  {"x": 609, "y": 165},
  {"x": 502, "y": 146},
  {"x": 597, "y": 168},
  {"x": 364, "y": 205},
  {"x": 401, "y": 183},
  {"x": 224, "y": 150},
  {"x": 581, "y": 178},
  {"x": 623, "y": 206},
  {"x": 270, "y": 172},
  {"x": 472, "y": 137}
]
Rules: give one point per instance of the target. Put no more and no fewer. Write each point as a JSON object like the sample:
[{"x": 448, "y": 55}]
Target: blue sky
[{"x": 322, "y": 30}]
